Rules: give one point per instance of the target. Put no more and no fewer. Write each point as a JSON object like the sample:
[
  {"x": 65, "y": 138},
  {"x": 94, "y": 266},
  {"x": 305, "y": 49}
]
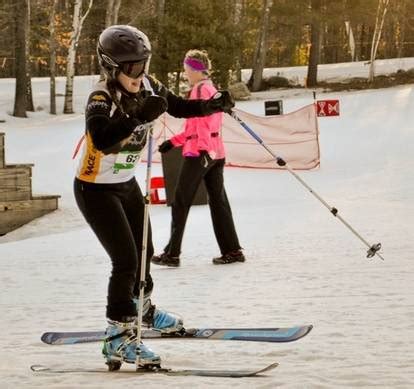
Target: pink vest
[{"x": 202, "y": 133}]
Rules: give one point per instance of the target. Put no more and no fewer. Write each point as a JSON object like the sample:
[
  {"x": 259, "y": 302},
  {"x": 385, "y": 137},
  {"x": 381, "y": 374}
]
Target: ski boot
[
  {"x": 120, "y": 345},
  {"x": 233, "y": 256},
  {"x": 165, "y": 259},
  {"x": 158, "y": 319}
]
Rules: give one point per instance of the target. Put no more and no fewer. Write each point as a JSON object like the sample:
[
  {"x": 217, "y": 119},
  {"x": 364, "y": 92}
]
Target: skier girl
[
  {"x": 119, "y": 112},
  {"x": 204, "y": 159}
]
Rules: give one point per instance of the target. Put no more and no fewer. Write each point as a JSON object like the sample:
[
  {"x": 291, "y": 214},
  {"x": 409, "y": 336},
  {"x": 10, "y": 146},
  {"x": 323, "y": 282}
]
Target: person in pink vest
[{"x": 204, "y": 159}]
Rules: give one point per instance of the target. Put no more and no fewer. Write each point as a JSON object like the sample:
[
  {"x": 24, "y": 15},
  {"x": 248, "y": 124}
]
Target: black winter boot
[
  {"x": 233, "y": 256},
  {"x": 165, "y": 260}
]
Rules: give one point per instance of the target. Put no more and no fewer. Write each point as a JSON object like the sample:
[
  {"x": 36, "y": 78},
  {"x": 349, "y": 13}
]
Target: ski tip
[
  {"x": 270, "y": 367},
  {"x": 37, "y": 368},
  {"x": 304, "y": 330},
  {"x": 296, "y": 333},
  {"x": 45, "y": 337}
]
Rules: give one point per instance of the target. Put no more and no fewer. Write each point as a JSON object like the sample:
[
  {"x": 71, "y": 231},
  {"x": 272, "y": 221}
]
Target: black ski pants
[
  {"x": 193, "y": 171},
  {"x": 115, "y": 213}
]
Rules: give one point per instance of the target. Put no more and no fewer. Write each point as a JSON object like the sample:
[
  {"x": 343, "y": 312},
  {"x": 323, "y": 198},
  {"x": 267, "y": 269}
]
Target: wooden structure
[{"x": 17, "y": 205}]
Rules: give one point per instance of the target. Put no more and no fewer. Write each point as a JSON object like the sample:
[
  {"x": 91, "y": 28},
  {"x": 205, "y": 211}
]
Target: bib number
[{"x": 126, "y": 160}]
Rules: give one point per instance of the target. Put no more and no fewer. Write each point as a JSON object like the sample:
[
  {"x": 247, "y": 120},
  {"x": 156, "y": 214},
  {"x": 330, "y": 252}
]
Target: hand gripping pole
[{"x": 372, "y": 249}]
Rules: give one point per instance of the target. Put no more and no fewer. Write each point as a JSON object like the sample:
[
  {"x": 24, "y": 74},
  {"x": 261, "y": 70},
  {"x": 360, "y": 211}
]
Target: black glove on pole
[
  {"x": 149, "y": 109},
  {"x": 153, "y": 107},
  {"x": 222, "y": 101}
]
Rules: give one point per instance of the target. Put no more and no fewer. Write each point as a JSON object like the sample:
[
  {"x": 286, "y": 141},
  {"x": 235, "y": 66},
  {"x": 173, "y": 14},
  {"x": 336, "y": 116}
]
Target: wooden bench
[{"x": 17, "y": 204}]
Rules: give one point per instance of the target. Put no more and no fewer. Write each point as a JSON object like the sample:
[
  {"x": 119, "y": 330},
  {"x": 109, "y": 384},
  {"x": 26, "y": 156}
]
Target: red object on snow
[
  {"x": 327, "y": 107},
  {"x": 155, "y": 184}
]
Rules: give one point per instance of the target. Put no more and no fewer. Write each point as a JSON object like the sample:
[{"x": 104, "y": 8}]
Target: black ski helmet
[{"x": 120, "y": 44}]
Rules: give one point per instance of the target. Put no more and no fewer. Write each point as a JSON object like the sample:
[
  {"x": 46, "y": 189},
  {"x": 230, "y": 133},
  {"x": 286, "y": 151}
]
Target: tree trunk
[
  {"x": 312, "y": 78},
  {"x": 238, "y": 11},
  {"x": 379, "y": 24},
  {"x": 29, "y": 94},
  {"x": 111, "y": 17},
  {"x": 70, "y": 67},
  {"x": 20, "y": 20},
  {"x": 161, "y": 42},
  {"x": 112, "y": 12},
  {"x": 351, "y": 41},
  {"x": 402, "y": 21},
  {"x": 53, "y": 57},
  {"x": 260, "y": 52}
]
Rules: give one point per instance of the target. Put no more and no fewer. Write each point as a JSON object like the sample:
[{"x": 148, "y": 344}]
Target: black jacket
[{"x": 108, "y": 129}]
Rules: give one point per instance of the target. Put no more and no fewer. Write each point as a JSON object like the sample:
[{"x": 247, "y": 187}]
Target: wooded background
[{"x": 237, "y": 34}]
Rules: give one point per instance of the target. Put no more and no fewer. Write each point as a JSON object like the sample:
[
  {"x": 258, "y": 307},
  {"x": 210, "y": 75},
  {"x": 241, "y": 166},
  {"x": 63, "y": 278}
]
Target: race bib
[{"x": 126, "y": 160}]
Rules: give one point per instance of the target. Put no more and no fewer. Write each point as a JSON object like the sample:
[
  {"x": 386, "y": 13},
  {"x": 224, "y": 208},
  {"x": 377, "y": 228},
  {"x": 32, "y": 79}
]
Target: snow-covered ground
[
  {"x": 337, "y": 72},
  {"x": 303, "y": 265}
]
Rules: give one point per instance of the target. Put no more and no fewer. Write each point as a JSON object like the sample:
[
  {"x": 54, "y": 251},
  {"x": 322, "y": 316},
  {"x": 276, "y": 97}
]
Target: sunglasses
[{"x": 133, "y": 69}]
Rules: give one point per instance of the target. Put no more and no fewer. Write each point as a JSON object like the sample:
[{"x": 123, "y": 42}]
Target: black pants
[
  {"x": 115, "y": 213},
  {"x": 192, "y": 172}
]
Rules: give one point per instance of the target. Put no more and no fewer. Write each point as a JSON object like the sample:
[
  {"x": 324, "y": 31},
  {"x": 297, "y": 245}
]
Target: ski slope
[{"x": 303, "y": 266}]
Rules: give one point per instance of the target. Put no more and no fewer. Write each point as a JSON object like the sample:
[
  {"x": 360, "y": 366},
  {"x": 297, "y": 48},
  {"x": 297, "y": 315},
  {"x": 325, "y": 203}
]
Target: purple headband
[{"x": 195, "y": 64}]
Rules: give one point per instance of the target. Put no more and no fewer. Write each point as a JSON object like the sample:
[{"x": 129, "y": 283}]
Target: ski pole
[
  {"x": 142, "y": 282},
  {"x": 372, "y": 249}
]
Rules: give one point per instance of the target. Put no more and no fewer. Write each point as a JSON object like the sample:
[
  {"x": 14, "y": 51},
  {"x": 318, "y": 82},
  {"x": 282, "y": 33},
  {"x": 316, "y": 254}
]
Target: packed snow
[{"x": 303, "y": 265}]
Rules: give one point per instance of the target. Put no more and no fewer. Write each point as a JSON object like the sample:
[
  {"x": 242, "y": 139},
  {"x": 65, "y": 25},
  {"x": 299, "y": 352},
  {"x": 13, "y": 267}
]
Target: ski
[
  {"x": 239, "y": 373},
  {"x": 288, "y": 334}
]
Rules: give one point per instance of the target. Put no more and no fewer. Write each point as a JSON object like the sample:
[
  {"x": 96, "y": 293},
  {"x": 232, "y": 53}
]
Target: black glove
[
  {"x": 153, "y": 107},
  {"x": 165, "y": 146},
  {"x": 146, "y": 110},
  {"x": 221, "y": 101}
]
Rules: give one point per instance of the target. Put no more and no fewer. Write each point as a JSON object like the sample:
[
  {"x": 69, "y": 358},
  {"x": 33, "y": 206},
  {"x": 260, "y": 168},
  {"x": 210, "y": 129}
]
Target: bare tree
[
  {"x": 70, "y": 67},
  {"x": 111, "y": 16},
  {"x": 237, "y": 17},
  {"x": 379, "y": 24},
  {"x": 29, "y": 94},
  {"x": 351, "y": 40},
  {"x": 20, "y": 22},
  {"x": 260, "y": 52},
  {"x": 160, "y": 43},
  {"x": 112, "y": 12},
  {"x": 52, "y": 44},
  {"x": 402, "y": 22},
  {"x": 312, "y": 78}
]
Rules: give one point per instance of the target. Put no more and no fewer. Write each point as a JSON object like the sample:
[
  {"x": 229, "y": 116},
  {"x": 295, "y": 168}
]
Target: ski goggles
[{"x": 133, "y": 69}]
